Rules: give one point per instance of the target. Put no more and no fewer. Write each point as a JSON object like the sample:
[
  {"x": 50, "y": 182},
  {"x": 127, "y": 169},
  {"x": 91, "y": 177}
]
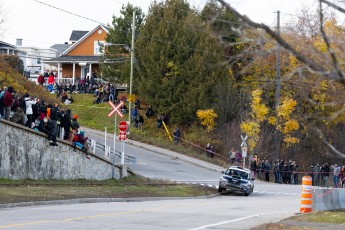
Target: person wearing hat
[
  {"x": 46, "y": 126},
  {"x": 75, "y": 124},
  {"x": 28, "y": 109}
]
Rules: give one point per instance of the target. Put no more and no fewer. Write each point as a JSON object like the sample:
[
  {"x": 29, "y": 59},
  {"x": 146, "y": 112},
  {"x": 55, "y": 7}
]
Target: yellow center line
[
  {"x": 68, "y": 219},
  {"x": 87, "y": 217}
]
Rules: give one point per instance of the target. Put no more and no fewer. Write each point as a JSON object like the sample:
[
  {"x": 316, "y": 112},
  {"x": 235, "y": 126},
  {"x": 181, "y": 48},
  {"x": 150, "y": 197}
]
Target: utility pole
[
  {"x": 277, "y": 90},
  {"x": 277, "y": 82},
  {"x": 131, "y": 76}
]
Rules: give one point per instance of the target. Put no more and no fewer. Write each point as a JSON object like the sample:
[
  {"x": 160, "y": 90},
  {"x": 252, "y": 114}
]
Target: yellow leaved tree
[{"x": 207, "y": 118}]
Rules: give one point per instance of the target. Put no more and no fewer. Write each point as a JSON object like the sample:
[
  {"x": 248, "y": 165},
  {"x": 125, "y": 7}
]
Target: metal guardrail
[{"x": 109, "y": 153}]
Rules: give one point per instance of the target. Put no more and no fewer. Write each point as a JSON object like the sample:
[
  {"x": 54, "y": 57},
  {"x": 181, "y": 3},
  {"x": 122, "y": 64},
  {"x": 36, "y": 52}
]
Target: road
[
  {"x": 269, "y": 202},
  {"x": 220, "y": 212}
]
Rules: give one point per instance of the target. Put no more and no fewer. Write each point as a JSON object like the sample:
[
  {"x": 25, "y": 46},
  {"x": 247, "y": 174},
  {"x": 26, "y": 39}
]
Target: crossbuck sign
[
  {"x": 115, "y": 109},
  {"x": 244, "y": 146}
]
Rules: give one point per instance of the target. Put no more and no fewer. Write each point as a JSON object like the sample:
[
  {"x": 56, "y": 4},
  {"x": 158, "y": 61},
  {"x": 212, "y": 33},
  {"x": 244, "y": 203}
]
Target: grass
[
  {"x": 95, "y": 116},
  {"x": 335, "y": 217},
  {"x": 133, "y": 186},
  {"x": 309, "y": 221}
]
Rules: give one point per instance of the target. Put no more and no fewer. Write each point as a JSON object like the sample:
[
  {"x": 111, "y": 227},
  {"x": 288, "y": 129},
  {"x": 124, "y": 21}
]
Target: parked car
[{"x": 237, "y": 179}]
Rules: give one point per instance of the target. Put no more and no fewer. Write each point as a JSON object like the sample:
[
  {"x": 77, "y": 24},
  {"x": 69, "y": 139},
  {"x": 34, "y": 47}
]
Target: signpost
[
  {"x": 117, "y": 110},
  {"x": 244, "y": 149}
]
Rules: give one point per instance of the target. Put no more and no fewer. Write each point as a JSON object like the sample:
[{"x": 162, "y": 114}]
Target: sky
[{"x": 42, "y": 26}]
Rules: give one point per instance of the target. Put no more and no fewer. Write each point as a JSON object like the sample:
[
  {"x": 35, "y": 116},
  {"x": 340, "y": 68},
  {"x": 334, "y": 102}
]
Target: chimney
[{"x": 19, "y": 42}]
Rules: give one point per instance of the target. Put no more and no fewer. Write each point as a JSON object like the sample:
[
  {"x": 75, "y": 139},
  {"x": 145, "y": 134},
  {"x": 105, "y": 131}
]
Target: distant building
[
  {"x": 6, "y": 48},
  {"x": 80, "y": 56}
]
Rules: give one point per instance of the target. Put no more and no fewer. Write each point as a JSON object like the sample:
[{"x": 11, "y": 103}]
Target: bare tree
[{"x": 317, "y": 64}]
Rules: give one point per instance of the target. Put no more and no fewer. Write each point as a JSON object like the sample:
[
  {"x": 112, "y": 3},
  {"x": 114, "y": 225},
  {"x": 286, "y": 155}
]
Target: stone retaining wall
[{"x": 25, "y": 153}]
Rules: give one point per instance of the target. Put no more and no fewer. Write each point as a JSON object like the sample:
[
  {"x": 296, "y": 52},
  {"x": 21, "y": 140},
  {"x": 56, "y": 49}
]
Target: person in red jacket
[
  {"x": 51, "y": 79},
  {"x": 8, "y": 100},
  {"x": 40, "y": 79}
]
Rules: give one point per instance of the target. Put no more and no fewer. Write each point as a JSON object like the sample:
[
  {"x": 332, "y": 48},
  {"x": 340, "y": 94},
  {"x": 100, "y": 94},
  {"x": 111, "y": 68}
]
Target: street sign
[
  {"x": 244, "y": 151},
  {"x": 123, "y": 126},
  {"x": 115, "y": 109},
  {"x": 122, "y": 135}
]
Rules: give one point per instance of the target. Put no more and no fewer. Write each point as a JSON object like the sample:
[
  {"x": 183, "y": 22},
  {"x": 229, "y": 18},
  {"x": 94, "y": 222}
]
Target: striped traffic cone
[{"x": 306, "y": 196}]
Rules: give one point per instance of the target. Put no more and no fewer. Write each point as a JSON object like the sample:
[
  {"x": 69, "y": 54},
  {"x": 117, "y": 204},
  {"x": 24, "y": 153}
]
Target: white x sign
[
  {"x": 115, "y": 109},
  {"x": 244, "y": 144}
]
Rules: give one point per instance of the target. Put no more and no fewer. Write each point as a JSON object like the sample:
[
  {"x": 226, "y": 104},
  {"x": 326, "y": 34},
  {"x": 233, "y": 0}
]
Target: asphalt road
[
  {"x": 221, "y": 212},
  {"x": 269, "y": 202}
]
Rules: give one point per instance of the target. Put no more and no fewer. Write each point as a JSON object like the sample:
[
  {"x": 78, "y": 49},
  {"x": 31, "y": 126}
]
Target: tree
[
  {"x": 182, "y": 63},
  {"x": 318, "y": 78},
  {"x": 120, "y": 35}
]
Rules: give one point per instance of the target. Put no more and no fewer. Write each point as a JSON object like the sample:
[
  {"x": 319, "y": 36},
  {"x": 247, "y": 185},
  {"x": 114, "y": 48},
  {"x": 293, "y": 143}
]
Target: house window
[
  {"x": 38, "y": 60},
  {"x": 97, "y": 47}
]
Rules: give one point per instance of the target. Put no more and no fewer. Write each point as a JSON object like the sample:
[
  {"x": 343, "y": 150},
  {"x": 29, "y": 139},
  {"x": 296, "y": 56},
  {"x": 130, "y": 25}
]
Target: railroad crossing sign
[
  {"x": 115, "y": 109},
  {"x": 244, "y": 146},
  {"x": 244, "y": 143},
  {"x": 123, "y": 126}
]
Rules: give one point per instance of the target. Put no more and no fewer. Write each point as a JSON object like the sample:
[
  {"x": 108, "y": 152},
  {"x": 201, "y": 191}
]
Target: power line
[{"x": 80, "y": 16}]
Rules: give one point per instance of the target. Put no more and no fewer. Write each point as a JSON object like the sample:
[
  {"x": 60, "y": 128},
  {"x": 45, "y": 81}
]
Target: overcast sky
[{"x": 41, "y": 25}]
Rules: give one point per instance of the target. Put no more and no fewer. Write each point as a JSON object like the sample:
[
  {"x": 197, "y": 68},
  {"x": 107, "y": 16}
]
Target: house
[
  {"x": 82, "y": 56},
  {"x": 6, "y": 48},
  {"x": 34, "y": 59}
]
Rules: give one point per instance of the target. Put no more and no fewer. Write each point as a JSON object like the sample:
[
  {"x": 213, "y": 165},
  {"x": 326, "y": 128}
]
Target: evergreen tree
[
  {"x": 115, "y": 67},
  {"x": 182, "y": 64}
]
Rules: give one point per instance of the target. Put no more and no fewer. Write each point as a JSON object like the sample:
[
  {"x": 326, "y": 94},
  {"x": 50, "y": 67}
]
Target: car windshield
[{"x": 237, "y": 174}]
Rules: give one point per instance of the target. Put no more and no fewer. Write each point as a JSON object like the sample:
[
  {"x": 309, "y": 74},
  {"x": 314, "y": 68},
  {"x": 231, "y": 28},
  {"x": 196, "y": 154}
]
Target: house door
[{"x": 84, "y": 71}]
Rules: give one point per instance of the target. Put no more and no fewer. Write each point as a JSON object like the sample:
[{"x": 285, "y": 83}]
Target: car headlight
[{"x": 222, "y": 179}]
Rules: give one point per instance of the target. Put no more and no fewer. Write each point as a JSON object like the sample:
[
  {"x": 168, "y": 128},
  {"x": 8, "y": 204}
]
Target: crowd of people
[
  {"x": 44, "y": 117},
  {"x": 288, "y": 172}
]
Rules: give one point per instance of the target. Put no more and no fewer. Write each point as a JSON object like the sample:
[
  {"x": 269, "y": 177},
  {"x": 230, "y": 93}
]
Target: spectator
[
  {"x": 317, "y": 174},
  {"x": 253, "y": 166},
  {"x": 232, "y": 155},
  {"x": 325, "y": 170},
  {"x": 66, "y": 124},
  {"x": 134, "y": 113},
  {"x": 336, "y": 172},
  {"x": 124, "y": 109},
  {"x": 295, "y": 172},
  {"x": 149, "y": 111},
  {"x": 51, "y": 79},
  {"x": 54, "y": 117},
  {"x": 209, "y": 149},
  {"x": 29, "y": 110},
  {"x": 81, "y": 141},
  {"x": 140, "y": 121},
  {"x": 267, "y": 169},
  {"x": 285, "y": 173},
  {"x": 177, "y": 135},
  {"x": 342, "y": 176},
  {"x": 18, "y": 116},
  {"x": 238, "y": 157},
  {"x": 159, "y": 121},
  {"x": 137, "y": 103},
  {"x": 45, "y": 126},
  {"x": 311, "y": 174},
  {"x": 40, "y": 79},
  {"x": 75, "y": 124},
  {"x": 8, "y": 100}
]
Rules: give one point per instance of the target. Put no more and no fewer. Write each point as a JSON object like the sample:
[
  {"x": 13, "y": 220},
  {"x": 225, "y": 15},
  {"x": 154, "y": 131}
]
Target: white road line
[{"x": 226, "y": 222}]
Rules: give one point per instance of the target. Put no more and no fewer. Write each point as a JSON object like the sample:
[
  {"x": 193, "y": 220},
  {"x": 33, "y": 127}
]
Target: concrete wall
[
  {"x": 328, "y": 199},
  {"x": 25, "y": 153}
]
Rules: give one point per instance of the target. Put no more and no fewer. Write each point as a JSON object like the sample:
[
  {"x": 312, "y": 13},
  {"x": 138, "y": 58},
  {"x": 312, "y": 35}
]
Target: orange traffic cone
[{"x": 306, "y": 196}]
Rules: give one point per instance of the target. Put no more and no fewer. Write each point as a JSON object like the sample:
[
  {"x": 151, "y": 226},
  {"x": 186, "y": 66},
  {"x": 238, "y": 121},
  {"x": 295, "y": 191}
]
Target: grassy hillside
[
  {"x": 95, "y": 116},
  {"x": 10, "y": 77}
]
